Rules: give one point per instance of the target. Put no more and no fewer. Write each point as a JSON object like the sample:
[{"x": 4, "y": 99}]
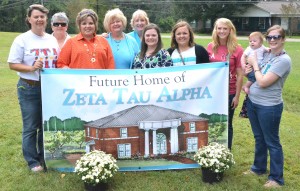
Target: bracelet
[{"x": 256, "y": 71}]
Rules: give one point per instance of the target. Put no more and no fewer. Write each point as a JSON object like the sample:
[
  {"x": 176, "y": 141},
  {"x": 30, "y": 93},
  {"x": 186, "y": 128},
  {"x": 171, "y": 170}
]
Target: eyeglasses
[
  {"x": 275, "y": 37},
  {"x": 61, "y": 24}
]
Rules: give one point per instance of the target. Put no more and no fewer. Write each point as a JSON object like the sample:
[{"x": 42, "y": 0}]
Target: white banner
[{"x": 160, "y": 114}]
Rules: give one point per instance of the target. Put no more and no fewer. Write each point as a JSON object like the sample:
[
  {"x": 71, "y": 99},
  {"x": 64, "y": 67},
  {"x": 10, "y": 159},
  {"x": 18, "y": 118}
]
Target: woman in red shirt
[{"x": 224, "y": 47}]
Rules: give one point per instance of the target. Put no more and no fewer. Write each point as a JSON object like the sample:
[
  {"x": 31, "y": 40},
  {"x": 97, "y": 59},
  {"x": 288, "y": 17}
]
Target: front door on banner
[{"x": 161, "y": 143}]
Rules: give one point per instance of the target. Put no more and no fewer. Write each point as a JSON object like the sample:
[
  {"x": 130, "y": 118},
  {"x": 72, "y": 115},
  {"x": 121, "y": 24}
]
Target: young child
[{"x": 256, "y": 40}]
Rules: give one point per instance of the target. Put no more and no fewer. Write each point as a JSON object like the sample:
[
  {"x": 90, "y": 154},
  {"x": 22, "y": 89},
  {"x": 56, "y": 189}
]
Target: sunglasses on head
[
  {"x": 61, "y": 24},
  {"x": 36, "y": 6},
  {"x": 275, "y": 37},
  {"x": 87, "y": 12}
]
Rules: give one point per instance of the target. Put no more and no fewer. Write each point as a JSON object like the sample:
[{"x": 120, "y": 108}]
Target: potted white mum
[
  {"x": 95, "y": 168},
  {"x": 214, "y": 159}
]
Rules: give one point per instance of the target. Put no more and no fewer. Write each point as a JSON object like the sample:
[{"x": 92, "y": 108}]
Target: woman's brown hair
[{"x": 144, "y": 46}]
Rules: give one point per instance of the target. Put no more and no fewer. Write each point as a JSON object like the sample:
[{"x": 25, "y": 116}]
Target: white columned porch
[
  {"x": 176, "y": 147},
  {"x": 154, "y": 144},
  {"x": 146, "y": 143},
  {"x": 174, "y": 139},
  {"x": 173, "y": 124}
]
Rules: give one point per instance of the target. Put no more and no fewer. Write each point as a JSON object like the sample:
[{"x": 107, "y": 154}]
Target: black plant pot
[
  {"x": 210, "y": 176},
  {"x": 98, "y": 187}
]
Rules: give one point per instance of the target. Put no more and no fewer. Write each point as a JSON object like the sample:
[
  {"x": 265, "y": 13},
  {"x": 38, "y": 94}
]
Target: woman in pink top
[{"x": 224, "y": 47}]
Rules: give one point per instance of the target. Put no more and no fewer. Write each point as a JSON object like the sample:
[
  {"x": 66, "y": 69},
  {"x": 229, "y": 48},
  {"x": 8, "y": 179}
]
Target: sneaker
[
  {"x": 251, "y": 172},
  {"x": 272, "y": 184},
  {"x": 37, "y": 169}
]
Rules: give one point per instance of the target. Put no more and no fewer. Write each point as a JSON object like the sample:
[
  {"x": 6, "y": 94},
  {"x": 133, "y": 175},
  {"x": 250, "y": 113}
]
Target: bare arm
[
  {"x": 25, "y": 68},
  {"x": 263, "y": 81},
  {"x": 244, "y": 63},
  {"x": 239, "y": 82}
]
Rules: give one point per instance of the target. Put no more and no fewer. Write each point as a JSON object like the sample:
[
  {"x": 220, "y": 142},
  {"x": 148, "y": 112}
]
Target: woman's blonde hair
[
  {"x": 139, "y": 14},
  {"x": 231, "y": 39},
  {"x": 83, "y": 14},
  {"x": 111, "y": 15}
]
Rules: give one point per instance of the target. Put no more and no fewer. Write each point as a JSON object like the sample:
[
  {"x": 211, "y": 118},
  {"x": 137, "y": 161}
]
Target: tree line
[
  {"x": 56, "y": 124},
  {"x": 164, "y": 13}
]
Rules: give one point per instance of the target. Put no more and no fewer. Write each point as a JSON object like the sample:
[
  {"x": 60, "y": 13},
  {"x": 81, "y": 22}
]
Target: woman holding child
[{"x": 265, "y": 106}]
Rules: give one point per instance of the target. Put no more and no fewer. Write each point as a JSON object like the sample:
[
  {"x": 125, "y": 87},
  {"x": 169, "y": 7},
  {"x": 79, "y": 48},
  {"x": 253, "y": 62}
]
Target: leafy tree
[
  {"x": 56, "y": 141},
  {"x": 72, "y": 8},
  {"x": 166, "y": 24},
  {"x": 208, "y": 10},
  {"x": 215, "y": 131},
  {"x": 214, "y": 117},
  {"x": 13, "y": 15},
  {"x": 289, "y": 11},
  {"x": 56, "y": 124},
  {"x": 100, "y": 7},
  {"x": 78, "y": 137},
  {"x": 73, "y": 124},
  {"x": 51, "y": 147}
]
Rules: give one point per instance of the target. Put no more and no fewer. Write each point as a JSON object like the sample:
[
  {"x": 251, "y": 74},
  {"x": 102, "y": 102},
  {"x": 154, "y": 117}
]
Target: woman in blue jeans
[
  {"x": 265, "y": 106},
  {"x": 30, "y": 52}
]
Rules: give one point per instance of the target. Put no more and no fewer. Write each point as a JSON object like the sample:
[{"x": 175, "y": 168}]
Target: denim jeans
[
  {"x": 230, "y": 118},
  {"x": 265, "y": 122},
  {"x": 251, "y": 76},
  {"x": 32, "y": 134}
]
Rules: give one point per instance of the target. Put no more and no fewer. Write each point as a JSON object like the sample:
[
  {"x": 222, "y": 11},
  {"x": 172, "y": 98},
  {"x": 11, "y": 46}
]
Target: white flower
[
  {"x": 96, "y": 166},
  {"x": 215, "y": 156}
]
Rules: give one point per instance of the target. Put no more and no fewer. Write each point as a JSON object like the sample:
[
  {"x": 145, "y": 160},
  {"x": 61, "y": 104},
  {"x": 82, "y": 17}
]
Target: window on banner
[
  {"x": 192, "y": 127},
  {"x": 124, "y": 150},
  {"x": 88, "y": 132},
  {"x": 97, "y": 133},
  {"x": 192, "y": 144},
  {"x": 123, "y": 132}
]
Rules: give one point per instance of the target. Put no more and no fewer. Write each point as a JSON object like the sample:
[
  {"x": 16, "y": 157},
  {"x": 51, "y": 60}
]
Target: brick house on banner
[{"x": 147, "y": 130}]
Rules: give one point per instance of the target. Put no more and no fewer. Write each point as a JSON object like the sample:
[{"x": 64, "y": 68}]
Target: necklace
[
  {"x": 117, "y": 43},
  {"x": 270, "y": 59},
  {"x": 117, "y": 40},
  {"x": 91, "y": 54},
  {"x": 182, "y": 59}
]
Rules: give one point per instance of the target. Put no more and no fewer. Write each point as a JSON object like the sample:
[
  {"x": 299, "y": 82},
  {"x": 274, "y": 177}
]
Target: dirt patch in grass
[
  {"x": 180, "y": 159},
  {"x": 72, "y": 158}
]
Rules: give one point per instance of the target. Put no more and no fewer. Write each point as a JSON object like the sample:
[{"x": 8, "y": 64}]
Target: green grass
[
  {"x": 15, "y": 176},
  {"x": 60, "y": 163}
]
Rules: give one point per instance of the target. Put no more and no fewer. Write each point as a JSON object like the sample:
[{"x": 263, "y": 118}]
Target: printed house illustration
[{"x": 147, "y": 130}]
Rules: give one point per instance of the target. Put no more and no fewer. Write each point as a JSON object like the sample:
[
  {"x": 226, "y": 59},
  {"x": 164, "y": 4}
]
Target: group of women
[{"x": 142, "y": 48}]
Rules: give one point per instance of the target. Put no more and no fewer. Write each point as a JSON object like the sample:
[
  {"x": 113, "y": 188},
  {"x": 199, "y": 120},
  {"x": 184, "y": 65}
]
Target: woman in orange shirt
[{"x": 86, "y": 50}]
